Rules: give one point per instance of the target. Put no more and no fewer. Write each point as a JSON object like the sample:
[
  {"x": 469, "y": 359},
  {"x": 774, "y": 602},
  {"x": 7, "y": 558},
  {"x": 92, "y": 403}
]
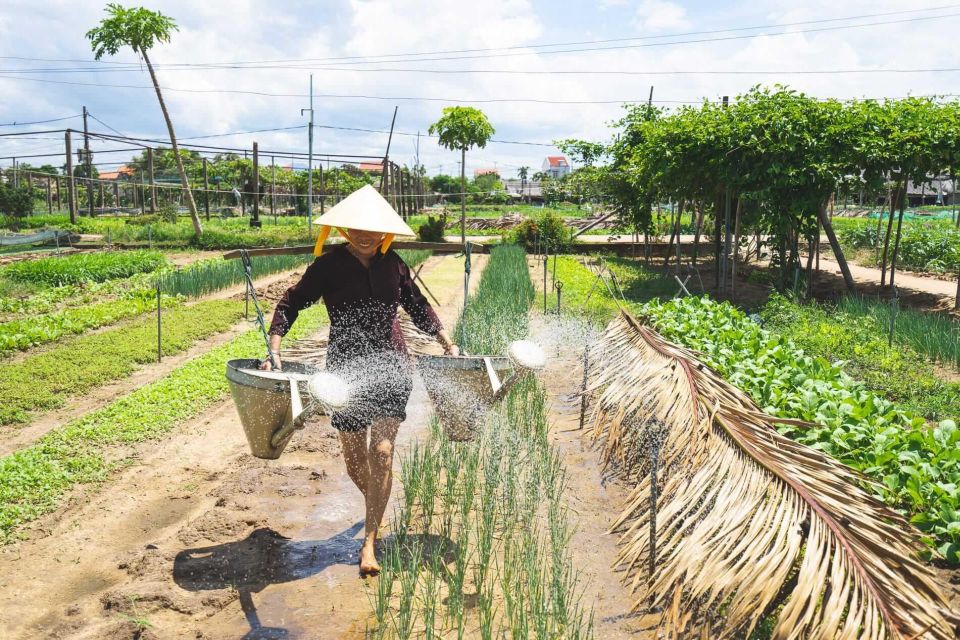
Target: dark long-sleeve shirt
[{"x": 361, "y": 302}]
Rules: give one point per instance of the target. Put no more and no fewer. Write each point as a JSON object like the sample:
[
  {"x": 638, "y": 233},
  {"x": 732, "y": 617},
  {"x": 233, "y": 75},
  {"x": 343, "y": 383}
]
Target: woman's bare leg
[
  {"x": 354, "y": 445},
  {"x": 380, "y": 459}
]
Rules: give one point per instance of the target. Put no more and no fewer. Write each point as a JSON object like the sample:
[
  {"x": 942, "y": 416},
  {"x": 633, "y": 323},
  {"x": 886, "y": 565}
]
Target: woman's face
[{"x": 366, "y": 242}]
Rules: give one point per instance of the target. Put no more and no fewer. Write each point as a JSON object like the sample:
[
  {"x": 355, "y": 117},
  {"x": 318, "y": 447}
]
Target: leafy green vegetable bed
[
  {"x": 897, "y": 373},
  {"x": 932, "y": 245},
  {"x": 46, "y": 380},
  {"x": 40, "y": 329},
  {"x": 34, "y": 480},
  {"x": 55, "y": 312},
  {"x": 917, "y": 468},
  {"x": 84, "y": 267}
]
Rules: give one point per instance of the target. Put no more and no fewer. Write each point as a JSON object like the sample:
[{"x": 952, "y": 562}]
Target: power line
[
  {"x": 527, "y": 48},
  {"x": 103, "y": 123},
  {"x": 23, "y": 124},
  {"x": 351, "y": 96},
  {"x": 552, "y": 72}
]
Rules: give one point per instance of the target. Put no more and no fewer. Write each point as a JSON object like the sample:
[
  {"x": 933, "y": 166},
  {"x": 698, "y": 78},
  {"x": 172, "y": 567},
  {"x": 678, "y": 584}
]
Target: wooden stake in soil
[
  {"x": 153, "y": 188},
  {"x": 206, "y": 192},
  {"x": 159, "y": 338},
  {"x": 583, "y": 384}
]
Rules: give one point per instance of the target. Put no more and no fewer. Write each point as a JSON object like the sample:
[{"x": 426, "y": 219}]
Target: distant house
[
  {"x": 938, "y": 190},
  {"x": 556, "y": 166},
  {"x": 483, "y": 172},
  {"x": 124, "y": 172},
  {"x": 371, "y": 167},
  {"x": 523, "y": 189}
]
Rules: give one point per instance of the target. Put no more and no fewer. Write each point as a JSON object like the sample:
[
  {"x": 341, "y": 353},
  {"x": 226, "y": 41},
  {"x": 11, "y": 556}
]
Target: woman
[{"x": 362, "y": 283}]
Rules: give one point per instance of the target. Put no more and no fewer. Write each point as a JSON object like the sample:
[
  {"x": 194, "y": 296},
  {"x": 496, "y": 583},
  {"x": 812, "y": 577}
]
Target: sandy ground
[
  {"x": 907, "y": 283},
  {"x": 197, "y": 539}
]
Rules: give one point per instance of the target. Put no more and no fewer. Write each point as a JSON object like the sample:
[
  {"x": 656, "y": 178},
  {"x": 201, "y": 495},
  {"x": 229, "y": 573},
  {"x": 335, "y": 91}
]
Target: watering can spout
[{"x": 527, "y": 359}]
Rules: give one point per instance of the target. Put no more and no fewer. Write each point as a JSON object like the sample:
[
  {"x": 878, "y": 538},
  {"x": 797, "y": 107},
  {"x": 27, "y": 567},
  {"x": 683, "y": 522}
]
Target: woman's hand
[
  {"x": 268, "y": 365},
  {"x": 449, "y": 348}
]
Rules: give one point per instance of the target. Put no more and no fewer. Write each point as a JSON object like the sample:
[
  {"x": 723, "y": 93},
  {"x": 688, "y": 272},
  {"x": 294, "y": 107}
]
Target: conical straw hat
[{"x": 365, "y": 210}]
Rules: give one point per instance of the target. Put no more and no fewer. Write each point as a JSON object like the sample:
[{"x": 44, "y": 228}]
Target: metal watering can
[
  {"x": 464, "y": 388},
  {"x": 274, "y": 404}
]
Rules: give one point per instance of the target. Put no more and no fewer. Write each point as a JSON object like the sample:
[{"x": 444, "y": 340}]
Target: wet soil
[
  {"x": 595, "y": 500},
  {"x": 197, "y": 539}
]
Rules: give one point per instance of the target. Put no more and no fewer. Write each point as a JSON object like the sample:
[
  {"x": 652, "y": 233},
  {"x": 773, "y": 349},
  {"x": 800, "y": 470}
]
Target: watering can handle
[{"x": 298, "y": 416}]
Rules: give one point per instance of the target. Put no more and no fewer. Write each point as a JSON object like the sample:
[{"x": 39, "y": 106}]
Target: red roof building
[
  {"x": 371, "y": 167},
  {"x": 556, "y": 166},
  {"x": 124, "y": 172}
]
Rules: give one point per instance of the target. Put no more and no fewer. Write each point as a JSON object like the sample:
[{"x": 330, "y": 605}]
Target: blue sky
[{"x": 245, "y": 30}]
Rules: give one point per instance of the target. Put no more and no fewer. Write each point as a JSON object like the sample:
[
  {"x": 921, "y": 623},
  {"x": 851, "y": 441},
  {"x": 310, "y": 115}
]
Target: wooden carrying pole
[{"x": 436, "y": 247}]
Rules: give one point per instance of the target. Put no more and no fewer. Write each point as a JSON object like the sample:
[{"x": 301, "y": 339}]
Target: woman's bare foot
[{"x": 368, "y": 560}]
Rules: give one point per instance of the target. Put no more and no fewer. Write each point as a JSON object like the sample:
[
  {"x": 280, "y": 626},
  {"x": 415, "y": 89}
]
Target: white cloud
[
  {"x": 233, "y": 30},
  {"x": 660, "y": 15}
]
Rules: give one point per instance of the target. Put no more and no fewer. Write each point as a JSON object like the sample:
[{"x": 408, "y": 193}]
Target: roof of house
[
  {"x": 557, "y": 161},
  {"x": 940, "y": 184},
  {"x": 371, "y": 166},
  {"x": 483, "y": 172},
  {"x": 122, "y": 171}
]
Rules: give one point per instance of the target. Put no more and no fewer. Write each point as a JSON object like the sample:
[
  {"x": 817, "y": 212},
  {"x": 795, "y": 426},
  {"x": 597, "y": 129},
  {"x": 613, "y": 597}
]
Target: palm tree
[
  {"x": 522, "y": 172},
  {"x": 140, "y": 29}
]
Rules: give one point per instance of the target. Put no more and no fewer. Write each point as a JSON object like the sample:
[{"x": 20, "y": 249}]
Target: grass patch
[
  {"x": 46, "y": 380},
  {"x": 34, "y": 480},
  {"x": 584, "y": 294}
]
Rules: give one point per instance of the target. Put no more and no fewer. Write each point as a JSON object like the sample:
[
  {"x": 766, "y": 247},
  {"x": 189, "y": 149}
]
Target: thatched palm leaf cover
[{"x": 749, "y": 524}]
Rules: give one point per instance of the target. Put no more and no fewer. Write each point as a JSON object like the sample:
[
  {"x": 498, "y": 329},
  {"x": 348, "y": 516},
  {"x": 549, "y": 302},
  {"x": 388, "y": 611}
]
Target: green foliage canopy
[{"x": 462, "y": 128}]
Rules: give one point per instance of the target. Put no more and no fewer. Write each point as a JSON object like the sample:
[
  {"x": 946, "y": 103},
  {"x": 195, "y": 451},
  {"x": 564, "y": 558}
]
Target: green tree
[
  {"x": 462, "y": 128},
  {"x": 16, "y": 202},
  {"x": 140, "y": 29}
]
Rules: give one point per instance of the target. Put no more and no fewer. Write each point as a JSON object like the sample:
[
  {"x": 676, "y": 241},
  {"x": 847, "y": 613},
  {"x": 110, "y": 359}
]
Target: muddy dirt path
[
  {"x": 197, "y": 539},
  {"x": 595, "y": 499}
]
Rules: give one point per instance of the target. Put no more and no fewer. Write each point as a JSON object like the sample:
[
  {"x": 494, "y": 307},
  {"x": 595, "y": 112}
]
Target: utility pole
[
  {"x": 724, "y": 268},
  {"x": 86, "y": 153},
  {"x": 310, "y": 161}
]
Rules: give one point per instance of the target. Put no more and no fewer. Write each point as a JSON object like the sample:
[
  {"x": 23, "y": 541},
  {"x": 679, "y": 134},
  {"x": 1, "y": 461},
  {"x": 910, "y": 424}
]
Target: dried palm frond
[{"x": 748, "y": 524}]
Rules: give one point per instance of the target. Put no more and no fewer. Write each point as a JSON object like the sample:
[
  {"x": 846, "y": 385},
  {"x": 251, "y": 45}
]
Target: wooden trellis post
[{"x": 70, "y": 184}]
